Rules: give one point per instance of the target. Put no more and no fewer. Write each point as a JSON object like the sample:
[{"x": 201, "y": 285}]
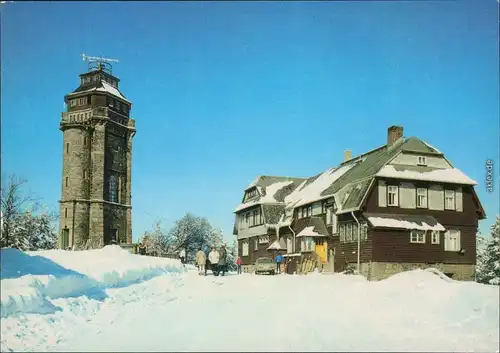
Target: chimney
[
  {"x": 394, "y": 133},
  {"x": 347, "y": 155}
]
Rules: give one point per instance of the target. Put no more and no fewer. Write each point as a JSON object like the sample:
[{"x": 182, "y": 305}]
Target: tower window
[
  {"x": 72, "y": 103},
  {"x": 67, "y": 147},
  {"x": 118, "y": 107},
  {"x": 112, "y": 189},
  {"x": 66, "y": 181},
  {"x": 65, "y": 213},
  {"x": 85, "y": 174},
  {"x": 85, "y": 140},
  {"x": 119, "y": 190}
]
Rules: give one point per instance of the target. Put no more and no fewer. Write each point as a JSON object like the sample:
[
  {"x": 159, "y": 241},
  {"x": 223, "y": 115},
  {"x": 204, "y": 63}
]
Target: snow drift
[{"x": 29, "y": 280}]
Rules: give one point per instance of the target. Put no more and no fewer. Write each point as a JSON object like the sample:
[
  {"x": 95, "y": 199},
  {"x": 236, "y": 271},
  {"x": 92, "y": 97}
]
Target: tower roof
[{"x": 101, "y": 84}]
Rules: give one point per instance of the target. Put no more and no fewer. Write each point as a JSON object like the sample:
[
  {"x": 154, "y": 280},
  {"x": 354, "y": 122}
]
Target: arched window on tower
[{"x": 113, "y": 191}]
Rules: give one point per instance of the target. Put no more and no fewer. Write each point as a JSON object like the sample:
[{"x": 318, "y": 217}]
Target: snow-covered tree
[
  {"x": 481, "y": 242},
  {"x": 191, "y": 233},
  {"x": 25, "y": 225},
  {"x": 489, "y": 268}
]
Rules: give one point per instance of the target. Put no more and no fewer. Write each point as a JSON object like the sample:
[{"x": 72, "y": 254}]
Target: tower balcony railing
[
  {"x": 82, "y": 116},
  {"x": 76, "y": 117}
]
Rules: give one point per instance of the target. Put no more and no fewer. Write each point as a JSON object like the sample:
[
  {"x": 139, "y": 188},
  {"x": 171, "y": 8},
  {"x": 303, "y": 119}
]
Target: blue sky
[{"x": 223, "y": 92}]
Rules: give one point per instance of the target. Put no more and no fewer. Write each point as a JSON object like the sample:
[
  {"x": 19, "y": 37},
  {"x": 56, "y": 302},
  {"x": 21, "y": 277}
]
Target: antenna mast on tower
[{"x": 99, "y": 63}]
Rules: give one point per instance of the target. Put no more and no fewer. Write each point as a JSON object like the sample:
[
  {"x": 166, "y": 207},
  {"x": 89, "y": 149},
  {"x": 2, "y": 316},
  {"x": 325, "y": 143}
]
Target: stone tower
[{"x": 95, "y": 205}]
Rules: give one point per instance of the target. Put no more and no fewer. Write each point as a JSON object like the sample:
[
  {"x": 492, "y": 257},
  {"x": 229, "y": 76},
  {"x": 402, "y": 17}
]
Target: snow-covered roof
[
  {"x": 450, "y": 175},
  {"x": 309, "y": 232},
  {"x": 277, "y": 245},
  {"x": 268, "y": 198},
  {"x": 418, "y": 222},
  {"x": 311, "y": 192},
  {"x": 106, "y": 87},
  {"x": 432, "y": 147},
  {"x": 253, "y": 183}
]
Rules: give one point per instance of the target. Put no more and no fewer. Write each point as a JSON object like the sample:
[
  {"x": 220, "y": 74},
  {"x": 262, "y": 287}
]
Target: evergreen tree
[{"x": 489, "y": 268}]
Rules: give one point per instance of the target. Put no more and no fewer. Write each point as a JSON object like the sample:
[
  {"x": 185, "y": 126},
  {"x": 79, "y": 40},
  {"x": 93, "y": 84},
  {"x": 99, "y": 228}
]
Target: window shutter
[
  {"x": 382, "y": 194},
  {"x": 458, "y": 240},
  {"x": 458, "y": 200}
]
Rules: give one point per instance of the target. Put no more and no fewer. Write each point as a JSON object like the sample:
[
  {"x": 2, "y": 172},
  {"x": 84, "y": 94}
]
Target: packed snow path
[{"x": 415, "y": 311}]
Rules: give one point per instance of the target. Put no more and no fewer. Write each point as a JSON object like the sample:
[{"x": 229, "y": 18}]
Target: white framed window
[
  {"x": 421, "y": 198},
  {"x": 72, "y": 103},
  {"x": 354, "y": 232},
  {"x": 449, "y": 199},
  {"x": 244, "y": 248},
  {"x": 256, "y": 244},
  {"x": 348, "y": 235},
  {"x": 452, "y": 240},
  {"x": 307, "y": 244},
  {"x": 422, "y": 160},
  {"x": 264, "y": 239},
  {"x": 392, "y": 195},
  {"x": 417, "y": 236},
  {"x": 342, "y": 232},
  {"x": 435, "y": 237}
]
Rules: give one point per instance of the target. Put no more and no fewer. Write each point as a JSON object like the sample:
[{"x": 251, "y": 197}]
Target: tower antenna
[{"x": 99, "y": 63}]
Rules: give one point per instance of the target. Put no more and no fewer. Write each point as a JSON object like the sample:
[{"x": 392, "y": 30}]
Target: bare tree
[{"x": 13, "y": 204}]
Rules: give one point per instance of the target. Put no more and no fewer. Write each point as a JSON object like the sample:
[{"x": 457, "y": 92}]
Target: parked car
[{"x": 265, "y": 265}]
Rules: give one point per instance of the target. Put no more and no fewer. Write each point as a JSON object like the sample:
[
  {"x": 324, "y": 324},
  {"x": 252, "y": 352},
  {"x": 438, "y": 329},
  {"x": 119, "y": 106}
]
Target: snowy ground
[{"x": 174, "y": 310}]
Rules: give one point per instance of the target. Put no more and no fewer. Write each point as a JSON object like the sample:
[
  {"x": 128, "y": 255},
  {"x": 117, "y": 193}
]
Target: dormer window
[
  {"x": 422, "y": 160},
  {"x": 251, "y": 194}
]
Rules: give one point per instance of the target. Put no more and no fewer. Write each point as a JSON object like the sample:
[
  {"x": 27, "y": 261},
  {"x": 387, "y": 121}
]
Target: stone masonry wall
[{"x": 382, "y": 270}]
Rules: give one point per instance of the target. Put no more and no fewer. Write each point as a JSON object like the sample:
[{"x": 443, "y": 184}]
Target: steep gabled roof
[{"x": 272, "y": 190}]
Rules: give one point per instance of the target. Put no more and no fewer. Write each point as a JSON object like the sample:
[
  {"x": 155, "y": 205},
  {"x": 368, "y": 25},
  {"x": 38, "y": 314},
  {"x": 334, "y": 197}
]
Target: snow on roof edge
[{"x": 450, "y": 175}]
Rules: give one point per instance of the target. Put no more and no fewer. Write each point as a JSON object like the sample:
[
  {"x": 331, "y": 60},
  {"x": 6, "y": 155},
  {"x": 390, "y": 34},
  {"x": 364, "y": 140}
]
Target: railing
[
  {"x": 82, "y": 116},
  {"x": 77, "y": 117}
]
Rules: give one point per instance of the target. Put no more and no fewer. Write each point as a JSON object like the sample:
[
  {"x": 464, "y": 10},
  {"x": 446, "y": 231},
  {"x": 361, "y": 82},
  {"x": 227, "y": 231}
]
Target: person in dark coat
[{"x": 223, "y": 259}]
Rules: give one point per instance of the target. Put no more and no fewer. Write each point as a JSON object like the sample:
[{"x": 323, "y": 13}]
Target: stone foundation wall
[{"x": 381, "y": 270}]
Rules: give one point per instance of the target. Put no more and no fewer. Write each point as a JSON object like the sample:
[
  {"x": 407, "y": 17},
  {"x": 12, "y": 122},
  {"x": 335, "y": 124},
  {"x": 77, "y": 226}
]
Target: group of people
[{"x": 215, "y": 261}]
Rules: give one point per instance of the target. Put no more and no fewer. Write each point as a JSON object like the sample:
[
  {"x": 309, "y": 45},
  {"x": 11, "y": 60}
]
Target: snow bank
[
  {"x": 30, "y": 279},
  {"x": 451, "y": 175}
]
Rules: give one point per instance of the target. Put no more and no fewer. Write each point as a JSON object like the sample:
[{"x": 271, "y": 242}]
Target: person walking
[
  {"x": 213, "y": 257},
  {"x": 182, "y": 256},
  {"x": 201, "y": 258},
  {"x": 238, "y": 265},
  {"x": 279, "y": 259},
  {"x": 222, "y": 259}
]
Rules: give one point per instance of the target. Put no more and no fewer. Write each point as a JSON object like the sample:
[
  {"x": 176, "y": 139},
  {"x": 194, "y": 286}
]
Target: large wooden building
[{"x": 409, "y": 206}]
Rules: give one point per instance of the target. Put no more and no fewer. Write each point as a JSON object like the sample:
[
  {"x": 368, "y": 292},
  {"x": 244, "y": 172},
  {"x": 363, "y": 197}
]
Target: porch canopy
[
  {"x": 277, "y": 245},
  {"x": 309, "y": 232},
  {"x": 311, "y": 227},
  {"x": 418, "y": 222}
]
